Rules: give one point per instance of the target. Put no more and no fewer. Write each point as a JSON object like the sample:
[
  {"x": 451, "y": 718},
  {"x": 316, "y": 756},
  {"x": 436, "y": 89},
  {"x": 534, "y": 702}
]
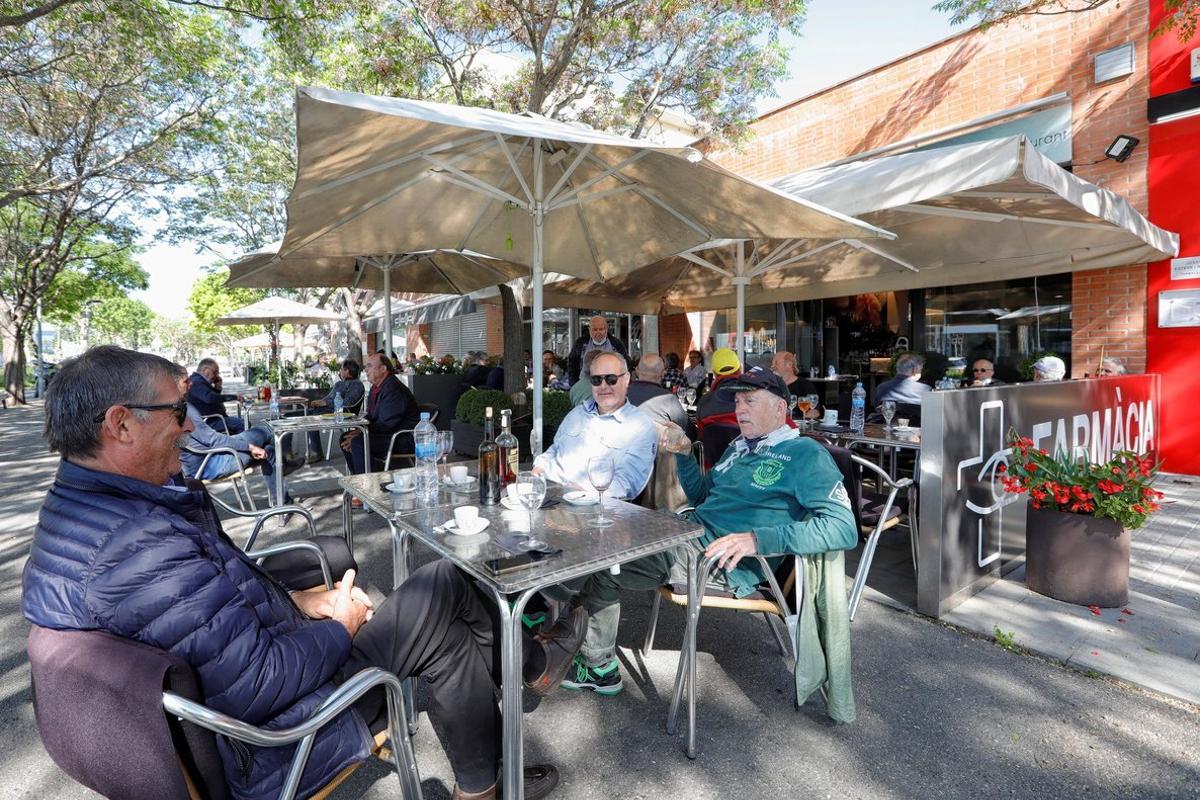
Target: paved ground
[{"x": 942, "y": 714}]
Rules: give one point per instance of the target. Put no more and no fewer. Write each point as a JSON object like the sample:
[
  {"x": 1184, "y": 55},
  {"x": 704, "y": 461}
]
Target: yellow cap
[{"x": 725, "y": 362}]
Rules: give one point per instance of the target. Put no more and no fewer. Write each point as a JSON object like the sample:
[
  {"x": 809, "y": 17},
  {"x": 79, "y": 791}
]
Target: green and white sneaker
[{"x": 605, "y": 679}]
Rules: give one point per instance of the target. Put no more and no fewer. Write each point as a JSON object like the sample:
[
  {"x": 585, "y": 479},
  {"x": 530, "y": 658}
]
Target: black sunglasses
[
  {"x": 610, "y": 379},
  {"x": 179, "y": 407}
]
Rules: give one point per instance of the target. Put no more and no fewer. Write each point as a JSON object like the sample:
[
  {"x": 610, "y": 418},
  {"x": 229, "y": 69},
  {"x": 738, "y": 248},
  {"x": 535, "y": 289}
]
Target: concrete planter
[
  {"x": 1077, "y": 558},
  {"x": 441, "y": 390}
]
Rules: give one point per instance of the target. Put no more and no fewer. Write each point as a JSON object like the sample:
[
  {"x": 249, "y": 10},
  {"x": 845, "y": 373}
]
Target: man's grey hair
[
  {"x": 651, "y": 368},
  {"x": 88, "y": 385},
  {"x": 1049, "y": 368},
  {"x": 1115, "y": 364},
  {"x": 909, "y": 364},
  {"x": 205, "y": 363}
]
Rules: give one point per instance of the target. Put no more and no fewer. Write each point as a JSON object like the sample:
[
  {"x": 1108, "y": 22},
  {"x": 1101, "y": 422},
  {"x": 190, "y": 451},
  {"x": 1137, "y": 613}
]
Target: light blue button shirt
[{"x": 627, "y": 434}]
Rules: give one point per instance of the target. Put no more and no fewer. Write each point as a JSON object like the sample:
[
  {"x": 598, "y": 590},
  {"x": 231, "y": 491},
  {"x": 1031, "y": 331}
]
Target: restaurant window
[
  {"x": 760, "y": 331},
  {"x": 1007, "y": 322}
]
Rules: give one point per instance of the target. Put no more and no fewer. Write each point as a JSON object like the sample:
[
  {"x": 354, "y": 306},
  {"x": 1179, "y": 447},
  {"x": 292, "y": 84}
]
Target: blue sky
[{"x": 839, "y": 40}]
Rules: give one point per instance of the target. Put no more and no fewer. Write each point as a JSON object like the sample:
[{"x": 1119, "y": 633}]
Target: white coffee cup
[
  {"x": 466, "y": 518},
  {"x": 830, "y": 418},
  {"x": 901, "y": 422},
  {"x": 458, "y": 473},
  {"x": 512, "y": 490},
  {"x": 402, "y": 479}
]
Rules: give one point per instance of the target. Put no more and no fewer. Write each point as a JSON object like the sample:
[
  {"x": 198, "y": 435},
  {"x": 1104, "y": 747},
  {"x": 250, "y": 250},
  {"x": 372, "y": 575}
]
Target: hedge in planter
[{"x": 1079, "y": 518}]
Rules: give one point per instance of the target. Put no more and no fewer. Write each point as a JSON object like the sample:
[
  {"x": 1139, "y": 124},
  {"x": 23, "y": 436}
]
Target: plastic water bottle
[
  {"x": 338, "y": 407},
  {"x": 425, "y": 447},
  {"x": 274, "y": 408},
  {"x": 831, "y": 373},
  {"x": 858, "y": 408}
]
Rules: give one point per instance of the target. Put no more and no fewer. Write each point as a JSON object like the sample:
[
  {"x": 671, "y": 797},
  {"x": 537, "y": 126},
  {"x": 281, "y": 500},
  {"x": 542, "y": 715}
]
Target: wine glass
[
  {"x": 600, "y": 473},
  {"x": 888, "y": 409},
  {"x": 445, "y": 446},
  {"x": 814, "y": 401},
  {"x": 689, "y": 397},
  {"x": 801, "y": 404},
  {"x": 531, "y": 490}
]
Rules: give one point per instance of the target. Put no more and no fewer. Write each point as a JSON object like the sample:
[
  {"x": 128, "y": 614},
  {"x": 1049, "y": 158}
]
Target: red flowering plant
[{"x": 1119, "y": 489}]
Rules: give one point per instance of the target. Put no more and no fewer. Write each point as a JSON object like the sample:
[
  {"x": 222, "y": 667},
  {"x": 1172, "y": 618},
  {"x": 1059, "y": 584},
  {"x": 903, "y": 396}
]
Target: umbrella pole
[
  {"x": 387, "y": 309},
  {"x": 535, "y": 436},
  {"x": 740, "y": 282}
]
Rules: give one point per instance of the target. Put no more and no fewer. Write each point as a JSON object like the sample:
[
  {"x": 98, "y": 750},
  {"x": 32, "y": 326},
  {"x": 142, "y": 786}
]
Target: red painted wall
[{"x": 1174, "y": 189}]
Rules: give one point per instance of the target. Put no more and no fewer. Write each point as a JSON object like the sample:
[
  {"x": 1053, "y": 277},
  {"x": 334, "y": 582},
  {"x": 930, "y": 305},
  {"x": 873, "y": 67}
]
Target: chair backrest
[
  {"x": 97, "y": 699},
  {"x": 716, "y": 437},
  {"x": 851, "y": 475}
]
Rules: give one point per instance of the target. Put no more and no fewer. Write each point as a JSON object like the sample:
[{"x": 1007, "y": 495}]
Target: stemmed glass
[
  {"x": 600, "y": 473},
  {"x": 814, "y": 401},
  {"x": 445, "y": 446},
  {"x": 689, "y": 398},
  {"x": 531, "y": 490},
  {"x": 800, "y": 403},
  {"x": 888, "y": 409}
]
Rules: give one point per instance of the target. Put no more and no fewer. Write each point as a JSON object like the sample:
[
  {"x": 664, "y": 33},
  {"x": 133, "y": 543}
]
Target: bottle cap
[
  {"x": 424, "y": 415},
  {"x": 488, "y": 411}
]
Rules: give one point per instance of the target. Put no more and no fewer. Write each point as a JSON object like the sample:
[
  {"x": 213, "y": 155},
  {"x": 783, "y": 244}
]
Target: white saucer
[
  {"x": 829, "y": 427},
  {"x": 904, "y": 428},
  {"x": 451, "y": 527},
  {"x": 578, "y": 498},
  {"x": 511, "y": 503},
  {"x": 394, "y": 489},
  {"x": 470, "y": 481}
]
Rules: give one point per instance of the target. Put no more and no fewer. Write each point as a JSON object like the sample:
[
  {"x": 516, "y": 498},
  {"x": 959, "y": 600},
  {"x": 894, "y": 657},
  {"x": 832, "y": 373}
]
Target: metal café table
[
  {"x": 636, "y": 532},
  {"x": 877, "y": 435},
  {"x": 302, "y": 425}
]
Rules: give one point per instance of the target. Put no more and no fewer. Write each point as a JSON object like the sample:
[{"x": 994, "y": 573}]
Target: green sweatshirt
[{"x": 788, "y": 492}]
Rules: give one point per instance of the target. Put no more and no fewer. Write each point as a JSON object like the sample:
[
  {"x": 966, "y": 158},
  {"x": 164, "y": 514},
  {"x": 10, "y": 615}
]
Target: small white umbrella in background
[
  {"x": 427, "y": 272},
  {"x": 276, "y": 311},
  {"x": 390, "y": 175}
]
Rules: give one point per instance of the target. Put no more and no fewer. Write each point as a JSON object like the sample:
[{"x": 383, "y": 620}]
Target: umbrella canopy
[
  {"x": 276, "y": 311},
  {"x": 389, "y": 175},
  {"x": 971, "y": 213}
]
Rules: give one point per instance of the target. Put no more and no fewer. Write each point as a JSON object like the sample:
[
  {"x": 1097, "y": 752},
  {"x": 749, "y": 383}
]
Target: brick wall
[
  {"x": 495, "y": 327},
  {"x": 980, "y": 73},
  {"x": 417, "y": 337}
]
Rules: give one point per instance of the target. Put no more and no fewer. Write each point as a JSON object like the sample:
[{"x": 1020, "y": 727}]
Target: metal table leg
[
  {"x": 348, "y": 522},
  {"x": 279, "y": 462},
  {"x": 513, "y": 685}
]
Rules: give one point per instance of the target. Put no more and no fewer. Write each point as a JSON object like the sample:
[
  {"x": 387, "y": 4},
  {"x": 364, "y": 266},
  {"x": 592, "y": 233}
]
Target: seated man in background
[
  {"x": 773, "y": 491},
  {"x": 696, "y": 373},
  {"x": 716, "y": 408},
  {"x": 204, "y": 392},
  {"x": 1111, "y": 366},
  {"x": 983, "y": 373},
  {"x": 906, "y": 387},
  {"x": 351, "y": 390},
  {"x": 123, "y": 546},
  {"x": 1049, "y": 368},
  {"x": 648, "y": 394},
  {"x": 606, "y": 425},
  {"x": 390, "y": 407}
]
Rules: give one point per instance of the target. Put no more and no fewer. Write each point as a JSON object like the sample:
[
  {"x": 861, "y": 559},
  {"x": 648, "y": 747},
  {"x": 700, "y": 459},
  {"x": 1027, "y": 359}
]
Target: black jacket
[
  {"x": 575, "y": 359},
  {"x": 393, "y": 409},
  {"x": 204, "y": 397}
]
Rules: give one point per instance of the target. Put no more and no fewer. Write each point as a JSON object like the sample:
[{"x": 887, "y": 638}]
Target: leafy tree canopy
[
  {"x": 211, "y": 299},
  {"x": 1182, "y": 15}
]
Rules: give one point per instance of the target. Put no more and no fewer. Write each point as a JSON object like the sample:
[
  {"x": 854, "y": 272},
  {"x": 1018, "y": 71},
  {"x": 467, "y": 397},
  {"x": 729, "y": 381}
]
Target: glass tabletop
[
  {"x": 635, "y": 532},
  {"x": 313, "y": 422},
  {"x": 905, "y": 438}
]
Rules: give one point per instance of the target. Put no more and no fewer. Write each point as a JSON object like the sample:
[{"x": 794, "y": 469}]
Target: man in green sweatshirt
[{"x": 773, "y": 491}]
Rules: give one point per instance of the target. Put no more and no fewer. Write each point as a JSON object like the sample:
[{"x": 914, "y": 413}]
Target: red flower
[
  {"x": 1001, "y": 467},
  {"x": 1109, "y": 487},
  {"x": 1138, "y": 508},
  {"x": 1031, "y": 468},
  {"x": 1037, "y": 494}
]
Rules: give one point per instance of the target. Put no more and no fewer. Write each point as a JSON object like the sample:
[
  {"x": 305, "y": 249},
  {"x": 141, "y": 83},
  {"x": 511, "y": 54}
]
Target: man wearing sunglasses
[
  {"x": 606, "y": 425},
  {"x": 983, "y": 373}
]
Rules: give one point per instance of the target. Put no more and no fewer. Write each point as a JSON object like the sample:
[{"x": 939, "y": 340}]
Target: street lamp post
[{"x": 87, "y": 325}]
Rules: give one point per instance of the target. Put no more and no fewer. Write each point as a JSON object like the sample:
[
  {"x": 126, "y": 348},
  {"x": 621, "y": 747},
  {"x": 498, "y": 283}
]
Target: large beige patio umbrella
[
  {"x": 276, "y": 311},
  {"x": 389, "y": 175},
  {"x": 427, "y": 272},
  {"x": 971, "y": 213}
]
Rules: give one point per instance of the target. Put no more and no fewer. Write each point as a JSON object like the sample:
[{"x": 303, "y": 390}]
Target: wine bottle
[
  {"x": 510, "y": 451},
  {"x": 489, "y": 463}
]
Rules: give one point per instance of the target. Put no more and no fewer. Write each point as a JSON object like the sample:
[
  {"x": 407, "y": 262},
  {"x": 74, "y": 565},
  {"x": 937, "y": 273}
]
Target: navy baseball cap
[{"x": 753, "y": 380}]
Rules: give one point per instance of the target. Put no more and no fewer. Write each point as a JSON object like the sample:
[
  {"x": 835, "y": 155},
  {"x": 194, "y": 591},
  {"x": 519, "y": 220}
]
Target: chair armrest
[
  {"x": 312, "y": 547},
  {"x": 387, "y": 461},
  {"x": 209, "y": 454},
  {"x": 341, "y": 699},
  {"x": 902, "y": 483},
  {"x": 219, "y": 418}
]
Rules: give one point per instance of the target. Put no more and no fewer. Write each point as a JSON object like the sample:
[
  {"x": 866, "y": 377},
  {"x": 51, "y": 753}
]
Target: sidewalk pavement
[
  {"x": 942, "y": 714},
  {"x": 1152, "y": 641}
]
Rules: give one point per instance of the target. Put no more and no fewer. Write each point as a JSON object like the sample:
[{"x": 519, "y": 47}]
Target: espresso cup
[
  {"x": 402, "y": 479},
  {"x": 512, "y": 492},
  {"x": 902, "y": 422},
  {"x": 466, "y": 518},
  {"x": 831, "y": 417},
  {"x": 458, "y": 473}
]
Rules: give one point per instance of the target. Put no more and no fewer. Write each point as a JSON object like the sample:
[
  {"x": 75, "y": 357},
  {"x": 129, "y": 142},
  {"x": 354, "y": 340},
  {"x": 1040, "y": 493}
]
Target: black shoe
[{"x": 560, "y": 642}]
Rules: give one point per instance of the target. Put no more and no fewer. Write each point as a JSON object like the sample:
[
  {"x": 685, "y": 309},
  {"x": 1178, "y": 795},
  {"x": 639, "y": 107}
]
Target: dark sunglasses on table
[
  {"x": 610, "y": 379},
  {"x": 179, "y": 408}
]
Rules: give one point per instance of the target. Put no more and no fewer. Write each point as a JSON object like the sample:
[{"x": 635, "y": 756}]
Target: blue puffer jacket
[{"x": 151, "y": 563}]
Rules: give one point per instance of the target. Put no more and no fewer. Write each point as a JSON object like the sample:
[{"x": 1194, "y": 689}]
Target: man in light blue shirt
[{"x": 608, "y": 425}]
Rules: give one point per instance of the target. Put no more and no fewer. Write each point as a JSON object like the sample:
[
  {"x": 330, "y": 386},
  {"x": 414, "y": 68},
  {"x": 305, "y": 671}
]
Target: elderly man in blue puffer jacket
[{"x": 123, "y": 546}]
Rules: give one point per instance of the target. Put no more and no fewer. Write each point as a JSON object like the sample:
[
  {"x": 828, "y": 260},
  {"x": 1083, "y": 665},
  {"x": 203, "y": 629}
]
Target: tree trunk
[
  {"x": 14, "y": 363},
  {"x": 514, "y": 341},
  {"x": 356, "y": 340}
]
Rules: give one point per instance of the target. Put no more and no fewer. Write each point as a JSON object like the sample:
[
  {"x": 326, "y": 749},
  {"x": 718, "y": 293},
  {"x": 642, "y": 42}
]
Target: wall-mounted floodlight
[{"x": 1121, "y": 147}]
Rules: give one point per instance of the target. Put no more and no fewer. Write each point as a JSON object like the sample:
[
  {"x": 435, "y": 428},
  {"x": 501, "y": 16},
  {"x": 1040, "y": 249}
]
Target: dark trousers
[
  {"x": 436, "y": 626},
  {"x": 356, "y": 460}
]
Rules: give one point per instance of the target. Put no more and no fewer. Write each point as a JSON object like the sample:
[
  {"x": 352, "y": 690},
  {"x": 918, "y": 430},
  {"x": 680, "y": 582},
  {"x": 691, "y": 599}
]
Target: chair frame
[
  {"x": 237, "y": 477},
  {"x": 209, "y": 419},
  {"x": 412, "y": 457}
]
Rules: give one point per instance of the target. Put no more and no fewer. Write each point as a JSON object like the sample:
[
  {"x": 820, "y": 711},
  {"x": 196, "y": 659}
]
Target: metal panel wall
[
  {"x": 971, "y": 532},
  {"x": 459, "y": 335}
]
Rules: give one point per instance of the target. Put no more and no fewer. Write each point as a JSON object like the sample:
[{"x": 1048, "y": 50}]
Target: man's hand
[
  {"x": 320, "y": 603},
  {"x": 348, "y": 436},
  {"x": 733, "y": 548},
  {"x": 537, "y": 470},
  {"x": 673, "y": 439},
  {"x": 348, "y": 609},
  {"x": 257, "y": 453},
  {"x": 317, "y": 404}
]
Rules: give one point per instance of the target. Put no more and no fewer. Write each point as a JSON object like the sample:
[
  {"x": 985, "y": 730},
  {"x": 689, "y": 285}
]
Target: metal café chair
[
  {"x": 237, "y": 478},
  {"x": 412, "y": 457},
  {"x": 213, "y": 419},
  {"x": 334, "y": 435}
]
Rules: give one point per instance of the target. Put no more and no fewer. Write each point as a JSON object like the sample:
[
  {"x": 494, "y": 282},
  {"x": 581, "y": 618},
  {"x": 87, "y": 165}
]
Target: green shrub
[
  {"x": 471, "y": 405},
  {"x": 555, "y": 406}
]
